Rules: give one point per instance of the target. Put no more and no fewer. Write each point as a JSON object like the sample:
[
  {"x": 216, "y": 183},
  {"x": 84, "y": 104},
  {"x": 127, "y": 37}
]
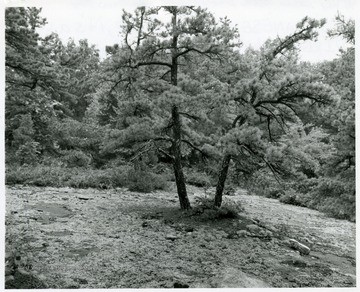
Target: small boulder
[
  {"x": 229, "y": 192},
  {"x": 189, "y": 229},
  {"x": 303, "y": 249},
  {"x": 23, "y": 280},
  {"x": 294, "y": 260},
  {"x": 232, "y": 235},
  {"x": 8, "y": 279},
  {"x": 242, "y": 233},
  {"x": 22, "y": 271},
  {"x": 81, "y": 281},
  {"x": 9, "y": 270},
  {"x": 306, "y": 241},
  {"x": 171, "y": 237},
  {"x": 84, "y": 198},
  {"x": 255, "y": 221},
  {"x": 253, "y": 228},
  {"x": 268, "y": 233},
  {"x": 180, "y": 285},
  {"x": 272, "y": 229}
]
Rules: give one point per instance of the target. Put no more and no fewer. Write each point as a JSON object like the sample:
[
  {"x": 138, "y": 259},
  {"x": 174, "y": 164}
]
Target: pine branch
[
  {"x": 274, "y": 116},
  {"x": 190, "y": 116},
  {"x": 269, "y": 165},
  {"x": 152, "y": 63},
  {"x": 172, "y": 158},
  {"x": 269, "y": 130},
  {"x": 194, "y": 147},
  {"x": 239, "y": 117},
  {"x": 206, "y": 52}
]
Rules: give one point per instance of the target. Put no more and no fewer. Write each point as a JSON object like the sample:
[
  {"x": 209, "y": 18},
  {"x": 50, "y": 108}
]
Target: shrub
[
  {"x": 28, "y": 153},
  {"x": 76, "y": 158},
  {"x": 145, "y": 182},
  {"x": 262, "y": 183},
  {"x": 335, "y": 197},
  {"x": 207, "y": 211},
  {"x": 38, "y": 175},
  {"x": 228, "y": 212},
  {"x": 56, "y": 176},
  {"x": 291, "y": 197},
  {"x": 275, "y": 194},
  {"x": 198, "y": 179}
]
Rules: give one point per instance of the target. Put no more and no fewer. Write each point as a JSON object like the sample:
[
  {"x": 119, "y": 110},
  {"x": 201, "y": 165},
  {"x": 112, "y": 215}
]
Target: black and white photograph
[{"x": 171, "y": 144}]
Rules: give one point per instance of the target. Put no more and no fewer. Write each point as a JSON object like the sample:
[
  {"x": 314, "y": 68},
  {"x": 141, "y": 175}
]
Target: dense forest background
[{"x": 177, "y": 101}]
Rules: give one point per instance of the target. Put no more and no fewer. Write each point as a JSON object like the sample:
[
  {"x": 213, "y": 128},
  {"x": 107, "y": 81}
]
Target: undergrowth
[
  {"x": 80, "y": 177},
  {"x": 145, "y": 182},
  {"x": 331, "y": 196},
  {"x": 196, "y": 178},
  {"x": 206, "y": 210}
]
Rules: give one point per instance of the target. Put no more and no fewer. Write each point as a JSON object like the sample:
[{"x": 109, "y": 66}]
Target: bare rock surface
[
  {"x": 103, "y": 242},
  {"x": 231, "y": 277}
]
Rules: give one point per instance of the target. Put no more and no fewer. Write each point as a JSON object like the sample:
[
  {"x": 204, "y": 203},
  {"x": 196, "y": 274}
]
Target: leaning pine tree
[
  {"x": 147, "y": 77},
  {"x": 270, "y": 94}
]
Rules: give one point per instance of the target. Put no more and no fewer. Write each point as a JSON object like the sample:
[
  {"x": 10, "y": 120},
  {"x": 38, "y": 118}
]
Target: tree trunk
[
  {"x": 179, "y": 175},
  {"x": 221, "y": 180},
  {"x": 225, "y": 167}
]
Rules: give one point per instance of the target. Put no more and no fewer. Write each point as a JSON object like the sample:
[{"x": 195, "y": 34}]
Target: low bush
[
  {"x": 206, "y": 210},
  {"x": 81, "y": 177},
  {"x": 145, "y": 182},
  {"x": 198, "y": 179},
  {"x": 57, "y": 176},
  {"x": 76, "y": 158},
  {"x": 291, "y": 199},
  {"x": 334, "y": 197},
  {"x": 38, "y": 175},
  {"x": 275, "y": 194},
  {"x": 229, "y": 212},
  {"x": 28, "y": 153},
  {"x": 100, "y": 178}
]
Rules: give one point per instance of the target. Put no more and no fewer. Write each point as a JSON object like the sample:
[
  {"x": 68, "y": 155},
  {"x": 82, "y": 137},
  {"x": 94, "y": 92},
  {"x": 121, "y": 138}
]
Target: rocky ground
[{"x": 88, "y": 238}]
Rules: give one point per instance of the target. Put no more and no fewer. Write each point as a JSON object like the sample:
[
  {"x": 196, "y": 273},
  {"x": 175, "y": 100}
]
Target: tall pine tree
[{"x": 149, "y": 66}]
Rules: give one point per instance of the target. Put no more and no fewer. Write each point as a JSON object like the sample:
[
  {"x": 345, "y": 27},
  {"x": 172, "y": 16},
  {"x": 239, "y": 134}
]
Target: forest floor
[{"x": 89, "y": 238}]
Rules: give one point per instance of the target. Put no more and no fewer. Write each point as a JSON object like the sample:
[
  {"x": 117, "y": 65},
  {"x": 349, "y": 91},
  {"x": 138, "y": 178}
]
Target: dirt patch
[
  {"x": 53, "y": 209},
  {"x": 121, "y": 239}
]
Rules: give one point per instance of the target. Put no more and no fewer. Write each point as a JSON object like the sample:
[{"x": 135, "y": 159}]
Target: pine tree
[
  {"x": 272, "y": 94},
  {"x": 45, "y": 80},
  {"x": 149, "y": 69}
]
